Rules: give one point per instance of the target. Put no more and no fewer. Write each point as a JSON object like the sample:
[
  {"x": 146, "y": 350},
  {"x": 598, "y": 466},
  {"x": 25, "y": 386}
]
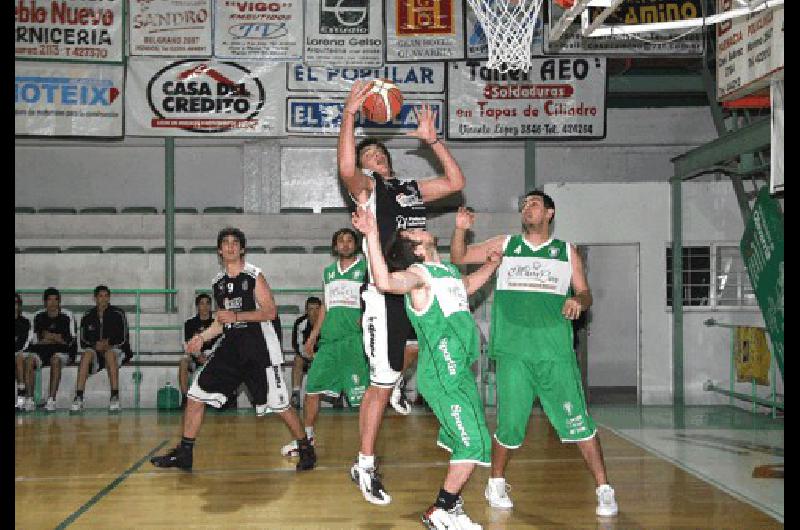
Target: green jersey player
[
  {"x": 340, "y": 365},
  {"x": 541, "y": 288},
  {"x": 436, "y": 304}
]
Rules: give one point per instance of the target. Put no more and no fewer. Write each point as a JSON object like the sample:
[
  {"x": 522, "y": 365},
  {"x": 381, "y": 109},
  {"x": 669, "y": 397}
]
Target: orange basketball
[{"x": 383, "y": 102}]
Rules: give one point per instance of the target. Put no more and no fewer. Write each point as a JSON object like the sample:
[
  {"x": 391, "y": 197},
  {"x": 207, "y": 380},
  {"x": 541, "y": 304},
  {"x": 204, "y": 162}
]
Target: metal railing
[{"x": 756, "y": 400}]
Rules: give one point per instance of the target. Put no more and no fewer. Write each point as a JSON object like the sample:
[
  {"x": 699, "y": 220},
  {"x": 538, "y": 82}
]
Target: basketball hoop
[{"x": 509, "y": 26}]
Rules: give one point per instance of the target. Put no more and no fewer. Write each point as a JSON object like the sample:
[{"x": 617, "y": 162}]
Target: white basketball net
[{"x": 509, "y": 26}]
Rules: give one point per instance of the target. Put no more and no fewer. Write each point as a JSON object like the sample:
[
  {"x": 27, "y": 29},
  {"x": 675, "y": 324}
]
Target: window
[
  {"x": 730, "y": 286},
  {"x": 696, "y": 276}
]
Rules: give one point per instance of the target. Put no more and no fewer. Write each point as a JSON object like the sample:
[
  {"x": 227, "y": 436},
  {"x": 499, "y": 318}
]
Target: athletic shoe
[
  {"x": 20, "y": 403},
  {"x": 440, "y": 519},
  {"x": 178, "y": 457},
  {"x": 77, "y": 405},
  {"x": 113, "y": 404},
  {"x": 30, "y": 404},
  {"x": 308, "y": 458},
  {"x": 497, "y": 494},
  {"x": 606, "y": 503},
  {"x": 291, "y": 448},
  {"x": 50, "y": 406},
  {"x": 398, "y": 399},
  {"x": 462, "y": 518},
  {"x": 370, "y": 484}
]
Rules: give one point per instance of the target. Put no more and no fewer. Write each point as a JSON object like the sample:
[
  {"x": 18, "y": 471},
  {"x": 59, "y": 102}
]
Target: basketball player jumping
[{"x": 396, "y": 204}]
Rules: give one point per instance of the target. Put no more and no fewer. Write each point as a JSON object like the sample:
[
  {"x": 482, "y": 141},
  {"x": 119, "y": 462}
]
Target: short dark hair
[
  {"x": 547, "y": 199},
  {"x": 313, "y": 300},
  {"x": 231, "y": 231},
  {"x": 51, "y": 291},
  {"x": 366, "y": 142},
  {"x": 340, "y": 232},
  {"x": 101, "y": 288},
  {"x": 17, "y": 299},
  {"x": 399, "y": 253},
  {"x": 200, "y": 297}
]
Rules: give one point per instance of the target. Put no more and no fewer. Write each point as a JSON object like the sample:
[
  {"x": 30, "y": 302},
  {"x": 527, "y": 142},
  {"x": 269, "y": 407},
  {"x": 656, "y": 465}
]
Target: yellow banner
[{"x": 752, "y": 355}]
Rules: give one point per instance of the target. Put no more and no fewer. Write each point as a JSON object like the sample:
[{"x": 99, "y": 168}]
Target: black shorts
[
  {"x": 45, "y": 353},
  {"x": 241, "y": 357}
]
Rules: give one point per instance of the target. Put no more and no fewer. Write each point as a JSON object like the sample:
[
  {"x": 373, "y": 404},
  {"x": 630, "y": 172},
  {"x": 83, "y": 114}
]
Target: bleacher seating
[
  {"x": 40, "y": 250},
  {"x": 183, "y": 209},
  {"x": 141, "y": 210},
  {"x": 204, "y": 249},
  {"x": 57, "y": 210},
  {"x": 84, "y": 249},
  {"x": 24, "y": 209},
  {"x": 161, "y": 250},
  {"x": 222, "y": 209},
  {"x": 321, "y": 249},
  {"x": 98, "y": 210},
  {"x": 288, "y": 249},
  {"x": 125, "y": 250}
]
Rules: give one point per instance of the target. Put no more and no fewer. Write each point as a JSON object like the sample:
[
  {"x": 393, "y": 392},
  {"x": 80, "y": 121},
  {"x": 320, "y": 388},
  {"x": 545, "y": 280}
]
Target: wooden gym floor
[{"x": 92, "y": 471}]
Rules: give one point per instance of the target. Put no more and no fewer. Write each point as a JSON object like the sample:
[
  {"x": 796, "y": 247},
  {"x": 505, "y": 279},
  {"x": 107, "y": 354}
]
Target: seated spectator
[
  {"x": 23, "y": 333},
  {"x": 104, "y": 344},
  {"x": 54, "y": 346},
  {"x": 300, "y": 332},
  {"x": 190, "y": 361}
]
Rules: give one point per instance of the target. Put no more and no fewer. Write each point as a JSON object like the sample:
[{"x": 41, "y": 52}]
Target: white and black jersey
[
  {"x": 397, "y": 205},
  {"x": 23, "y": 334},
  {"x": 247, "y": 352}
]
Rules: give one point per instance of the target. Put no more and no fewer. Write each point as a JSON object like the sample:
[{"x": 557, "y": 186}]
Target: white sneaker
[
  {"x": 20, "y": 403},
  {"x": 113, "y": 404},
  {"x": 463, "y": 520},
  {"x": 439, "y": 519},
  {"x": 50, "y": 406},
  {"x": 497, "y": 494},
  {"x": 606, "y": 503},
  {"x": 370, "y": 484},
  {"x": 30, "y": 404},
  {"x": 77, "y": 405},
  {"x": 398, "y": 398},
  {"x": 291, "y": 448}
]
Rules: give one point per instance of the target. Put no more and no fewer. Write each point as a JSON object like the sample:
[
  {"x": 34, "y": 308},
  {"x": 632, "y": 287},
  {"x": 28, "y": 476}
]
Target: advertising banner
[
  {"x": 58, "y": 99},
  {"x": 317, "y": 94},
  {"x": 172, "y": 28},
  {"x": 344, "y": 32},
  {"x": 751, "y": 354},
  {"x": 762, "y": 251},
  {"x": 249, "y": 29},
  {"x": 749, "y": 51},
  {"x": 424, "y": 30},
  {"x": 558, "y": 98},
  {"x": 672, "y": 42},
  {"x": 69, "y": 30},
  {"x": 202, "y": 98}
]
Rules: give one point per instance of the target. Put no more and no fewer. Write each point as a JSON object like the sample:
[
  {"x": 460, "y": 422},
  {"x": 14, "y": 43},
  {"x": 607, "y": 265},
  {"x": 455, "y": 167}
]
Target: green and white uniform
[
  {"x": 531, "y": 342},
  {"x": 448, "y": 345},
  {"x": 340, "y": 364}
]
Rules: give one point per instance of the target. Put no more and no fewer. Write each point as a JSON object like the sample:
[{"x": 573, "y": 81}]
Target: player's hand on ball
[
  {"x": 464, "y": 218},
  {"x": 572, "y": 308},
  {"x": 358, "y": 93}
]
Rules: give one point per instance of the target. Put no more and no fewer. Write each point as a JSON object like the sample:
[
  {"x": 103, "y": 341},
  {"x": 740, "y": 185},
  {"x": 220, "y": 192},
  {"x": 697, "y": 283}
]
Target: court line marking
[
  {"x": 266, "y": 470},
  {"x": 109, "y": 488},
  {"x": 698, "y": 474}
]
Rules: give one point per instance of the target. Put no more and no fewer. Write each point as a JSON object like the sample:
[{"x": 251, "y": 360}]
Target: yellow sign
[{"x": 752, "y": 355}]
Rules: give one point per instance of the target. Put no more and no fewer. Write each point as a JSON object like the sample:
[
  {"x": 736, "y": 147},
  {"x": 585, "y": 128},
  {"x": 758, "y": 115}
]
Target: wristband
[{"x": 433, "y": 142}]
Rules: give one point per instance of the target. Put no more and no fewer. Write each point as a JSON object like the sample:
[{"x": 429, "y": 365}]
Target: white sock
[
  {"x": 366, "y": 462},
  {"x": 310, "y": 432},
  {"x": 499, "y": 481}
]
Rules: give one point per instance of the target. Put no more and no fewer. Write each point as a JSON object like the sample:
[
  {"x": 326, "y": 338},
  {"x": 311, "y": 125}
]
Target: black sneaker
[
  {"x": 177, "y": 457},
  {"x": 308, "y": 457}
]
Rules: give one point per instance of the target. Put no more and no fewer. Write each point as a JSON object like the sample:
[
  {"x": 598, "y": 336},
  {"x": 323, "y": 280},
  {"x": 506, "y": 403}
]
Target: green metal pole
[
  {"x": 677, "y": 295},
  {"x": 137, "y": 375},
  {"x": 169, "y": 221},
  {"x": 530, "y": 165}
]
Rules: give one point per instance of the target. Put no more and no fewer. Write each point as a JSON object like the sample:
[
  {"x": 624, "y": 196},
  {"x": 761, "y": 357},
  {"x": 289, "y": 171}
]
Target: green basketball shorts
[{"x": 340, "y": 366}]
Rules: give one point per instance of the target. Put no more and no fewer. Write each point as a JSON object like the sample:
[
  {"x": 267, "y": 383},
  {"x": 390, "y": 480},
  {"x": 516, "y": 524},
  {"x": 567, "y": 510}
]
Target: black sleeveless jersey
[
  {"x": 237, "y": 294},
  {"x": 398, "y": 205}
]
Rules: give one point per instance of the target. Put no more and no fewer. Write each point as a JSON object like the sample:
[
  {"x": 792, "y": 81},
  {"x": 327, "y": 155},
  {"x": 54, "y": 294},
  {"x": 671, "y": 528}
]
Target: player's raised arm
[
  {"x": 460, "y": 253},
  {"x": 352, "y": 177},
  {"x": 475, "y": 280},
  {"x": 400, "y": 282},
  {"x": 453, "y": 179}
]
